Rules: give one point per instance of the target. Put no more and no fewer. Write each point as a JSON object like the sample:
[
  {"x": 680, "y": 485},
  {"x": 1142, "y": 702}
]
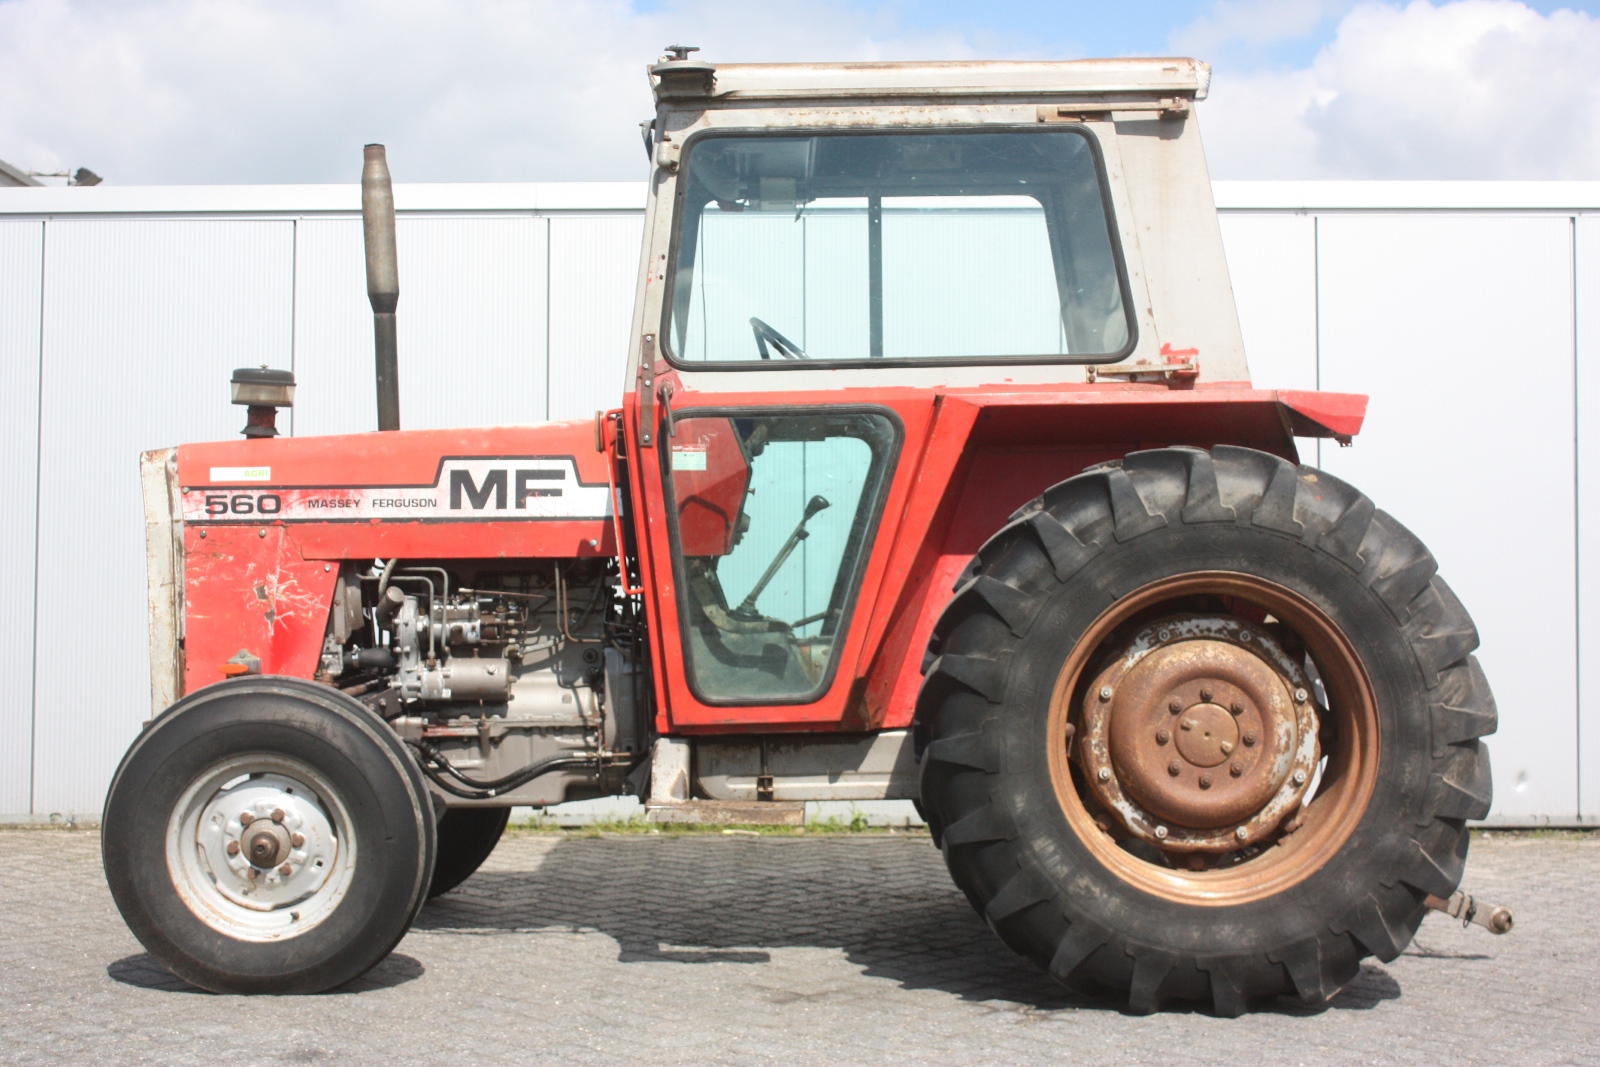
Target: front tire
[
  {"x": 1105, "y": 845},
  {"x": 268, "y": 835}
]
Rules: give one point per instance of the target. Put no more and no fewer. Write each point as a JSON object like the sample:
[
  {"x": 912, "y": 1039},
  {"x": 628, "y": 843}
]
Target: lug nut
[
  {"x": 297, "y": 839},
  {"x": 1205, "y": 781},
  {"x": 1105, "y": 692},
  {"x": 277, "y": 814},
  {"x": 286, "y": 870},
  {"x": 1299, "y": 777},
  {"x": 233, "y": 848},
  {"x": 1249, "y": 738},
  {"x": 246, "y": 818},
  {"x": 1237, "y": 708},
  {"x": 1174, "y": 768},
  {"x": 1174, "y": 705},
  {"x": 1241, "y": 833},
  {"x": 1162, "y": 737},
  {"x": 1236, "y": 770},
  {"x": 1161, "y": 833},
  {"x": 1105, "y": 774},
  {"x": 1205, "y": 694},
  {"x": 1300, "y": 696}
]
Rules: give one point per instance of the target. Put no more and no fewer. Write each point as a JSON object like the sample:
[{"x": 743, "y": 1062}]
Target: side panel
[
  {"x": 191, "y": 300},
  {"x": 21, "y": 270},
  {"x": 1164, "y": 167},
  {"x": 1419, "y": 310},
  {"x": 250, "y": 590}
]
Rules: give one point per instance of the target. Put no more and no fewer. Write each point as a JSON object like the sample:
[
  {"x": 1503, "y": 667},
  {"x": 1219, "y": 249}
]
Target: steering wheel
[{"x": 767, "y": 335}]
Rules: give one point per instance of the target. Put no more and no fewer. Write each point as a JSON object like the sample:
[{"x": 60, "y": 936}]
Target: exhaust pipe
[{"x": 383, "y": 279}]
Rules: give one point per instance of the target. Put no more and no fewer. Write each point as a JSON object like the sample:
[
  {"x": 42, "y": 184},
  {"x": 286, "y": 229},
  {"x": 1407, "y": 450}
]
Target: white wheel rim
[{"x": 294, "y": 812}]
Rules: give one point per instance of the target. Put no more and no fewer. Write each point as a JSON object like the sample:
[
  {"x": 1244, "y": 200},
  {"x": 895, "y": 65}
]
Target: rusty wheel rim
[{"x": 1284, "y": 847}]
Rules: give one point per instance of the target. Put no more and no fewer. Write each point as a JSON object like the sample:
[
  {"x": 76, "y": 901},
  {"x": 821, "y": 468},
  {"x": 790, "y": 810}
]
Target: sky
[{"x": 271, "y": 91}]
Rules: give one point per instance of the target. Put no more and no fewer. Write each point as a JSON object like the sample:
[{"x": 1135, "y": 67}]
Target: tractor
[{"x": 938, "y": 476}]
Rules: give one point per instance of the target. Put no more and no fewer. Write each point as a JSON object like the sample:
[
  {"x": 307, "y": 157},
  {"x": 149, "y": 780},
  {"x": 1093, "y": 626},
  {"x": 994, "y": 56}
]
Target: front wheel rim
[
  {"x": 1261, "y": 868},
  {"x": 260, "y": 848}
]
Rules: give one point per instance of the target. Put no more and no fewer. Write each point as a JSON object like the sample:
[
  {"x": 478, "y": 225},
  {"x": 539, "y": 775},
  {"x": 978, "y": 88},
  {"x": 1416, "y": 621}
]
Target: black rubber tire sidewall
[
  {"x": 359, "y": 757},
  {"x": 984, "y": 738},
  {"x": 1249, "y": 931},
  {"x": 467, "y": 837}
]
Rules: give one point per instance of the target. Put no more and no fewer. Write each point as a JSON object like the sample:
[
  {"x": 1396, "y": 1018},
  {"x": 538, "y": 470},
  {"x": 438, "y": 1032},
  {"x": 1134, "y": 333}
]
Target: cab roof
[{"x": 685, "y": 79}]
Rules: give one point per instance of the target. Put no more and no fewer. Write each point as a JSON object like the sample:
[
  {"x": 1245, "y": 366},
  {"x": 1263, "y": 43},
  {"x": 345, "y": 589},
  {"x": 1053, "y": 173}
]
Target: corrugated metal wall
[{"x": 1474, "y": 325}]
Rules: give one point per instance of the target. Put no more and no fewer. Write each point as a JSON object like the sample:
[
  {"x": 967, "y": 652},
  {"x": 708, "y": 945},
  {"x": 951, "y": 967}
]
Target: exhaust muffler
[{"x": 383, "y": 279}]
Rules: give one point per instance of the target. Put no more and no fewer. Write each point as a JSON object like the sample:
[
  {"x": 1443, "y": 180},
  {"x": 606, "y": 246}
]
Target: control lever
[{"x": 747, "y": 607}]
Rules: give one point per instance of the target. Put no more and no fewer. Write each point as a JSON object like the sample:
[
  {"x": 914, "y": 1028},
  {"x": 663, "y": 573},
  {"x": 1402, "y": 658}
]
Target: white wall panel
[
  {"x": 21, "y": 248},
  {"x": 1272, "y": 260},
  {"x": 333, "y": 360},
  {"x": 143, "y": 323},
  {"x": 1587, "y": 322},
  {"x": 470, "y": 321},
  {"x": 594, "y": 264},
  {"x": 1460, "y": 327}
]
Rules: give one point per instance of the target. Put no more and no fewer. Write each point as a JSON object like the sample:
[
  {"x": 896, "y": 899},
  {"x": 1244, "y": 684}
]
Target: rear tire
[
  {"x": 1013, "y": 813},
  {"x": 268, "y": 835},
  {"x": 467, "y": 836}
]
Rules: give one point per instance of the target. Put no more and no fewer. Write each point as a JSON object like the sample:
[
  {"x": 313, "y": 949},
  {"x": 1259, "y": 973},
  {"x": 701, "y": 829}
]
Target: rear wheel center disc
[{"x": 1206, "y": 735}]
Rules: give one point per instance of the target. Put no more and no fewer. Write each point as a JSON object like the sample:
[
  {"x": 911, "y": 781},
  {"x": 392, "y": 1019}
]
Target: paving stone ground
[{"x": 724, "y": 949}]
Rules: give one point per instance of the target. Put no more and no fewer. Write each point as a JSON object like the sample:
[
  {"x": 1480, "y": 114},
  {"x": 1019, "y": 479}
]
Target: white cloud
[
  {"x": 155, "y": 91},
  {"x": 1231, "y": 23},
  {"x": 1485, "y": 89}
]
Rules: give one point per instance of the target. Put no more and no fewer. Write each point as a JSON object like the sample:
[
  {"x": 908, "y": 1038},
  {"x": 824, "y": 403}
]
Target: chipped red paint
[{"x": 249, "y": 588}]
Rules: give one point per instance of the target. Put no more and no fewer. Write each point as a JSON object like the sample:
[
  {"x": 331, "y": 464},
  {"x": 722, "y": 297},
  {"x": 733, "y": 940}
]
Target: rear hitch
[{"x": 1495, "y": 918}]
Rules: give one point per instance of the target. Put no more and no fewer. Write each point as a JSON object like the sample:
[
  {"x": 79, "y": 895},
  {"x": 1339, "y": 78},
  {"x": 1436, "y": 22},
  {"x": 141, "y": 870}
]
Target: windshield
[{"x": 851, "y": 246}]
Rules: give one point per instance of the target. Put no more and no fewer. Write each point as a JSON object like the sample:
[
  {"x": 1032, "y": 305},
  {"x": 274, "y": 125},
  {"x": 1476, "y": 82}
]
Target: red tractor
[{"x": 941, "y": 477}]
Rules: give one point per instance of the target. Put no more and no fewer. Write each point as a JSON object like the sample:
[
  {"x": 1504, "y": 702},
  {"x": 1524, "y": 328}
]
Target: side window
[{"x": 774, "y": 515}]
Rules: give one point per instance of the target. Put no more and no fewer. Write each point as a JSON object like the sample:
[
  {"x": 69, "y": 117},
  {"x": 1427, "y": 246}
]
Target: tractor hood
[{"x": 526, "y": 491}]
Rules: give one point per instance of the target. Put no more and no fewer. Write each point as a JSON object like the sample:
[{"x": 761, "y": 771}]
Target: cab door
[{"x": 760, "y": 528}]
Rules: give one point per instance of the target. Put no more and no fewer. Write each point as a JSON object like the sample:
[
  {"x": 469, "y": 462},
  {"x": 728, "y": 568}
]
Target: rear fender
[{"x": 989, "y": 454}]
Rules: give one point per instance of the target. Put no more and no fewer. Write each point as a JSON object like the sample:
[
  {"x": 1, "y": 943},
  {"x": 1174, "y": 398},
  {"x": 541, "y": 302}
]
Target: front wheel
[
  {"x": 268, "y": 835},
  {"x": 1204, "y": 726}
]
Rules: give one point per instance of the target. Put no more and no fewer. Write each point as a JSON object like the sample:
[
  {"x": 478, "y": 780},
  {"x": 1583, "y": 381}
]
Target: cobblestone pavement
[{"x": 727, "y": 949}]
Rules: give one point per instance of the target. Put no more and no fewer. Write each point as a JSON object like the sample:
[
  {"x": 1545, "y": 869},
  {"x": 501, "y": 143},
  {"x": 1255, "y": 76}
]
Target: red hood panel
[{"x": 519, "y": 490}]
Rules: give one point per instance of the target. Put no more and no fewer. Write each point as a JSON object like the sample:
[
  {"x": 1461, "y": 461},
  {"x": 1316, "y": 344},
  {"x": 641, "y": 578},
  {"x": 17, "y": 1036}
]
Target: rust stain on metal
[{"x": 1189, "y": 696}]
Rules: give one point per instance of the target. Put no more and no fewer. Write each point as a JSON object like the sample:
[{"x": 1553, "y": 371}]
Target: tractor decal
[{"x": 465, "y": 489}]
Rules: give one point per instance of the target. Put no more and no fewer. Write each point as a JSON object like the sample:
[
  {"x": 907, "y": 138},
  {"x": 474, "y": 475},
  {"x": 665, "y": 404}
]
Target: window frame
[
  {"x": 1113, "y": 235},
  {"x": 869, "y": 535}
]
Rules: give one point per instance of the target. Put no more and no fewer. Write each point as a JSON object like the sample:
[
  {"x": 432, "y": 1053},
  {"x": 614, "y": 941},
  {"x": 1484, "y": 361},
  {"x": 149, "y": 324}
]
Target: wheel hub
[
  {"x": 1201, "y": 735},
  {"x": 259, "y": 854}
]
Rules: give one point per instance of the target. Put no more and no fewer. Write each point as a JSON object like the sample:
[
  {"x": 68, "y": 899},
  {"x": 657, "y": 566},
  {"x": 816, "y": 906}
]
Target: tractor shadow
[
  {"x": 886, "y": 903},
  {"x": 144, "y": 971}
]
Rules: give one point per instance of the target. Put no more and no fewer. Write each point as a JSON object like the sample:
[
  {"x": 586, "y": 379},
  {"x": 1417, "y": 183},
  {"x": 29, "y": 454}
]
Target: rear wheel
[
  {"x": 268, "y": 835},
  {"x": 1204, "y": 726},
  {"x": 466, "y": 838}
]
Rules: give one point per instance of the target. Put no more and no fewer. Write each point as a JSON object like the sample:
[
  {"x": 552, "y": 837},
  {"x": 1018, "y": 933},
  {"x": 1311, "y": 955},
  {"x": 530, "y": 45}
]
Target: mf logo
[
  {"x": 528, "y": 482},
  {"x": 545, "y": 487}
]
